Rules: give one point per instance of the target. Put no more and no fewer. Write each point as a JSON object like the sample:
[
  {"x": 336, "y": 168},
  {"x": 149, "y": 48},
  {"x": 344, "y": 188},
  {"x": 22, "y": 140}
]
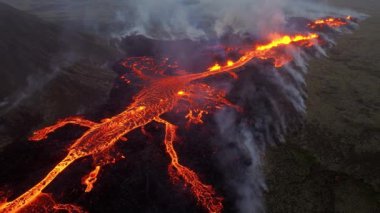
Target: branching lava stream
[{"x": 159, "y": 96}]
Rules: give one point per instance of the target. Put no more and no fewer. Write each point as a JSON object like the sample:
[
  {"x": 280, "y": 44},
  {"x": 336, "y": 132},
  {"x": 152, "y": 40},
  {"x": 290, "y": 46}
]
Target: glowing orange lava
[
  {"x": 205, "y": 194},
  {"x": 45, "y": 203},
  {"x": 195, "y": 116},
  {"x": 90, "y": 179},
  {"x": 215, "y": 67},
  {"x": 42, "y": 133},
  {"x": 330, "y": 22},
  {"x": 267, "y": 51},
  {"x": 181, "y": 92},
  {"x": 160, "y": 95},
  {"x": 230, "y": 63}
]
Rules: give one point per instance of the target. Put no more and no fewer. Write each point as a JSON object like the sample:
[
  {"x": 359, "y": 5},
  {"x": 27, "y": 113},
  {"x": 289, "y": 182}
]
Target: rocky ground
[
  {"x": 43, "y": 69},
  {"x": 332, "y": 163}
]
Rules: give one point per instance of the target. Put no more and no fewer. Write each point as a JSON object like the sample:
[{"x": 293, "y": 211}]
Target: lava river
[{"x": 159, "y": 96}]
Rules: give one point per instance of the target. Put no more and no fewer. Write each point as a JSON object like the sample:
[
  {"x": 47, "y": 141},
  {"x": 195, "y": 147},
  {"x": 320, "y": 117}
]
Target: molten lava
[
  {"x": 90, "y": 179},
  {"x": 268, "y": 51},
  {"x": 205, "y": 194},
  {"x": 195, "y": 116},
  {"x": 159, "y": 96},
  {"x": 42, "y": 133},
  {"x": 46, "y": 203},
  {"x": 330, "y": 22}
]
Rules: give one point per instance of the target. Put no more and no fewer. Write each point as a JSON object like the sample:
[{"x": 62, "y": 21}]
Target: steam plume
[
  {"x": 277, "y": 100},
  {"x": 178, "y": 19}
]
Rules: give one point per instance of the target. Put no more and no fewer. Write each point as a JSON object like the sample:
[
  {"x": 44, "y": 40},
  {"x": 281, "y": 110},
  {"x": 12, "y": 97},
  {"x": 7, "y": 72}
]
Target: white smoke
[
  {"x": 273, "y": 100},
  {"x": 34, "y": 83},
  {"x": 205, "y": 19},
  {"x": 240, "y": 158},
  {"x": 178, "y": 19},
  {"x": 197, "y": 19},
  {"x": 37, "y": 80},
  {"x": 276, "y": 99}
]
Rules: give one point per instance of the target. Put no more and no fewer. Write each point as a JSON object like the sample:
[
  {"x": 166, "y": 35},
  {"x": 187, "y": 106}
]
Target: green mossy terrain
[{"x": 332, "y": 163}]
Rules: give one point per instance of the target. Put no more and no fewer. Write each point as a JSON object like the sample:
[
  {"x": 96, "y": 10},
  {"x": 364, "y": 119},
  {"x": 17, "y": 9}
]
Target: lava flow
[
  {"x": 330, "y": 22},
  {"x": 160, "y": 95}
]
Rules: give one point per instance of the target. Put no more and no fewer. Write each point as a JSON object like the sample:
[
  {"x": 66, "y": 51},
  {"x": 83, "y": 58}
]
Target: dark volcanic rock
[{"x": 48, "y": 72}]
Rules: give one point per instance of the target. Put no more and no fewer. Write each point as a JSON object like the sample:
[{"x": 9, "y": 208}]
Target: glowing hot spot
[
  {"x": 141, "y": 108},
  {"x": 215, "y": 67},
  {"x": 181, "y": 92}
]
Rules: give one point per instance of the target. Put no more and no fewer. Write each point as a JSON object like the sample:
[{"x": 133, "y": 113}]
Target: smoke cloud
[
  {"x": 276, "y": 101},
  {"x": 177, "y": 19},
  {"x": 273, "y": 102},
  {"x": 205, "y": 19}
]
